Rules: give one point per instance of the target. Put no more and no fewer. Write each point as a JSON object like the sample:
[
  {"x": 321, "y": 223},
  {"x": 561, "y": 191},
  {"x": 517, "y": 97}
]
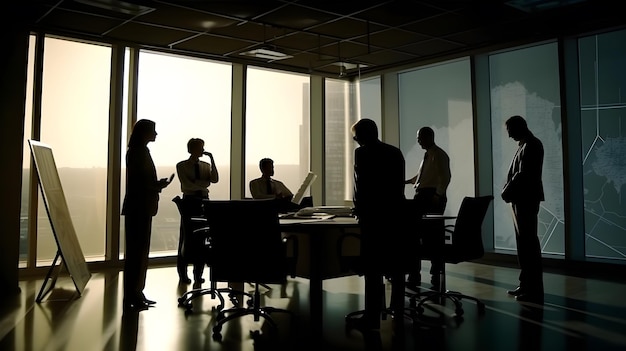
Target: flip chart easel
[{"x": 68, "y": 247}]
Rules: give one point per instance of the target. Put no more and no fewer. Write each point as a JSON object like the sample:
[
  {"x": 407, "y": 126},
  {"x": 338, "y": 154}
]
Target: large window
[
  {"x": 74, "y": 122},
  {"x": 25, "y": 201},
  {"x": 277, "y": 125},
  {"x": 338, "y": 144},
  {"x": 187, "y": 98},
  {"x": 602, "y": 59},
  {"x": 526, "y": 82},
  {"x": 439, "y": 97}
]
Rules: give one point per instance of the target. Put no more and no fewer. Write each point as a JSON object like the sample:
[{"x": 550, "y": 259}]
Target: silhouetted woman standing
[{"x": 140, "y": 205}]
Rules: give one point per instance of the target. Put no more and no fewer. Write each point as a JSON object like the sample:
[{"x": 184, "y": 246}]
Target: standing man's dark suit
[
  {"x": 379, "y": 201},
  {"x": 524, "y": 191}
]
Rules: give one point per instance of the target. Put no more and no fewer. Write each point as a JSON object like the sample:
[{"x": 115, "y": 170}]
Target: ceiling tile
[
  {"x": 432, "y": 47},
  {"x": 180, "y": 17},
  {"x": 148, "y": 34},
  {"x": 392, "y": 38}
]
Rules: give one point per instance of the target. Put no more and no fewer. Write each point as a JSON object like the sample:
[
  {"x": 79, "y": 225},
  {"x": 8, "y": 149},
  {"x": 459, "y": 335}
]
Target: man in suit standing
[
  {"x": 379, "y": 202},
  {"x": 524, "y": 191}
]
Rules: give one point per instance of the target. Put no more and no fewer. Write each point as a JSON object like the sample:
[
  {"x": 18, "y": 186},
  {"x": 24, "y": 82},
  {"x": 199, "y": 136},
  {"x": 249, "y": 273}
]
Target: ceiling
[{"x": 318, "y": 34}]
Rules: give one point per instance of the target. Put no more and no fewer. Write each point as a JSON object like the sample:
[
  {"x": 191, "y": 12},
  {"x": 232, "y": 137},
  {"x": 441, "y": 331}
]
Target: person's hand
[{"x": 163, "y": 182}]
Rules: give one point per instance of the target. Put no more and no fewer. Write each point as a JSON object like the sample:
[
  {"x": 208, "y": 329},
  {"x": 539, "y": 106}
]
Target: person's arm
[
  {"x": 183, "y": 177},
  {"x": 412, "y": 180},
  {"x": 141, "y": 173},
  {"x": 530, "y": 166},
  {"x": 214, "y": 177},
  {"x": 443, "y": 170},
  {"x": 282, "y": 191}
]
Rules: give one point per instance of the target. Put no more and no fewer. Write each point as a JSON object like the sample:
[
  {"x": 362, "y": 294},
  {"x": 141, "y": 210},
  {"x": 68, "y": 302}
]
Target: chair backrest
[
  {"x": 246, "y": 240},
  {"x": 467, "y": 242}
]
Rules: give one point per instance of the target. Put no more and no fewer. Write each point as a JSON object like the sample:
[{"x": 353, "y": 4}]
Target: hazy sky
[{"x": 186, "y": 97}]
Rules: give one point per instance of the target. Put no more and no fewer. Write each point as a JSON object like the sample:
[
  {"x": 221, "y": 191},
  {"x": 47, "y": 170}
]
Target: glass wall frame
[
  {"x": 439, "y": 96},
  {"x": 585, "y": 107},
  {"x": 602, "y": 87},
  {"x": 525, "y": 81},
  {"x": 277, "y": 126},
  {"x": 172, "y": 91}
]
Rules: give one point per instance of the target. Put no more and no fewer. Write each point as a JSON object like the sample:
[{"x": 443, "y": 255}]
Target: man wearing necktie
[
  {"x": 430, "y": 183},
  {"x": 195, "y": 178},
  {"x": 265, "y": 187}
]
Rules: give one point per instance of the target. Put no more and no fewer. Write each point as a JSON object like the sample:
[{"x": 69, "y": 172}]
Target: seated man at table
[{"x": 265, "y": 187}]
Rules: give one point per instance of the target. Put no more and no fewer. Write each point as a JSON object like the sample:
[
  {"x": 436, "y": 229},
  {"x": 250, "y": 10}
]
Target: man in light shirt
[
  {"x": 430, "y": 183},
  {"x": 265, "y": 187},
  {"x": 195, "y": 177}
]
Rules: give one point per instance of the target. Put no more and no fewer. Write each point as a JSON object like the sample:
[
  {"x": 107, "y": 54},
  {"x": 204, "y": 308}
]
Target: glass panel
[
  {"x": 25, "y": 203},
  {"x": 338, "y": 144},
  {"x": 277, "y": 125},
  {"x": 439, "y": 97},
  {"x": 602, "y": 59},
  {"x": 186, "y": 98},
  {"x": 370, "y": 101},
  {"x": 525, "y": 82},
  {"x": 124, "y": 138},
  {"x": 74, "y": 122}
]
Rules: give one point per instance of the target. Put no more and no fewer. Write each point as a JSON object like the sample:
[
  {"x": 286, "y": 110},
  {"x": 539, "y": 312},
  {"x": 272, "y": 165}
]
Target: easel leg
[{"x": 43, "y": 291}]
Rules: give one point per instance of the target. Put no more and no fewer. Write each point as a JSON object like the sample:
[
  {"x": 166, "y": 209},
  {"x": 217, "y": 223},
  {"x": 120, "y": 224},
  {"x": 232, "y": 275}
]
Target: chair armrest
[{"x": 448, "y": 230}]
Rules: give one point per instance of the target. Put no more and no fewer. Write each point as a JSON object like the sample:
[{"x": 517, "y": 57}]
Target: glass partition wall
[
  {"x": 525, "y": 82},
  {"x": 189, "y": 97},
  {"x": 186, "y": 98}
]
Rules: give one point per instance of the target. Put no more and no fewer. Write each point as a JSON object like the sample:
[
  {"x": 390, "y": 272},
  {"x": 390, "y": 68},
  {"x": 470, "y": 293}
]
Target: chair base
[
  {"x": 354, "y": 319},
  {"x": 418, "y": 300},
  {"x": 256, "y": 310},
  {"x": 186, "y": 299}
]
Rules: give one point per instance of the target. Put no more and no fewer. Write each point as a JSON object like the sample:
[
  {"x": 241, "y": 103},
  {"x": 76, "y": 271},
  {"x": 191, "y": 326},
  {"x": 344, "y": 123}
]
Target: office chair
[
  {"x": 198, "y": 243},
  {"x": 463, "y": 242},
  {"x": 248, "y": 247}
]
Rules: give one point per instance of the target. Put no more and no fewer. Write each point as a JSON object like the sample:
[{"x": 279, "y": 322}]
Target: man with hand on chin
[{"x": 195, "y": 178}]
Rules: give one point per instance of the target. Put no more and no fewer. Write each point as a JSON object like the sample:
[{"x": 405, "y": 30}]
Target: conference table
[{"x": 317, "y": 254}]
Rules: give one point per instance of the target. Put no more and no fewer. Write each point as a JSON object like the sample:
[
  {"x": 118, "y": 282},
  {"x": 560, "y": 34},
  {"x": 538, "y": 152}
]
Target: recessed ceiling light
[
  {"x": 267, "y": 54},
  {"x": 118, "y": 6}
]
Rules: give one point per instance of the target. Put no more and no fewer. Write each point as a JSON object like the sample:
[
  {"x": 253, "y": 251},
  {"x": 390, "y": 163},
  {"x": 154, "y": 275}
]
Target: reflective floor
[{"x": 578, "y": 314}]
